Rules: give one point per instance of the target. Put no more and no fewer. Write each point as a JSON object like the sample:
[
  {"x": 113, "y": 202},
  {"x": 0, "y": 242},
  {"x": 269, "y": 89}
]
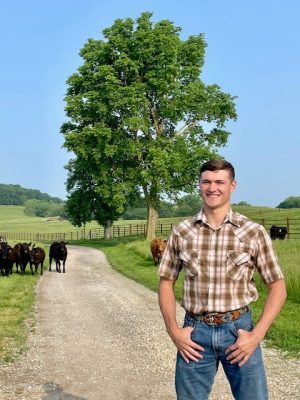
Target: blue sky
[{"x": 253, "y": 53}]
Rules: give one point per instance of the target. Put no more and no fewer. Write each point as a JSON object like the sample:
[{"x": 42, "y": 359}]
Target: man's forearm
[
  {"x": 167, "y": 304},
  {"x": 274, "y": 303}
]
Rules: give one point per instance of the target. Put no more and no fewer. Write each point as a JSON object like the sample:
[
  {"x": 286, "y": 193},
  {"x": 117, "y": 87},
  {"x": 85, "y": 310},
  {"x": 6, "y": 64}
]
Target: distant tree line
[
  {"x": 35, "y": 202},
  {"x": 41, "y": 204},
  {"x": 290, "y": 202},
  {"x": 16, "y": 195},
  {"x": 45, "y": 208}
]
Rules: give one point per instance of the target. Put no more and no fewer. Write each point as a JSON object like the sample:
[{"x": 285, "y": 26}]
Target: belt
[{"x": 214, "y": 318}]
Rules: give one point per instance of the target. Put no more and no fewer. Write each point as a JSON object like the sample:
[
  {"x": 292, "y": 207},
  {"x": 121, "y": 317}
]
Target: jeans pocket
[
  {"x": 189, "y": 321},
  {"x": 244, "y": 322}
]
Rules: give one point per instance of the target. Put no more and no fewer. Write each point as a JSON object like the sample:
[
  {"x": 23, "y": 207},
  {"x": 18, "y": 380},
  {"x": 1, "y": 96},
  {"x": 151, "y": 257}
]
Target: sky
[{"x": 253, "y": 52}]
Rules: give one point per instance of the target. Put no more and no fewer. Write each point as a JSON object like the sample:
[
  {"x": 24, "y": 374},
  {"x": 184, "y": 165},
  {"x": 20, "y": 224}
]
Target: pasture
[
  {"x": 13, "y": 219},
  {"x": 132, "y": 257}
]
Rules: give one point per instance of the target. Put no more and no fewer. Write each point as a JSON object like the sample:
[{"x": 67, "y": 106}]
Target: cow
[
  {"x": 22, "y": 256},
  {"x": 37, "y": 257},
  {"x": 6, "y": 258},
  {"x": 157, "y": 247},
  {"x": 278, "y": 232},
  {"x": 58, "y": 251}
]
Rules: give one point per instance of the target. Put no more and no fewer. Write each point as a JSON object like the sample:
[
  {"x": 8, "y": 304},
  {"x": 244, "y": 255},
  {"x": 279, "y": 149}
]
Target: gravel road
[{"x": 100, "y": 336}]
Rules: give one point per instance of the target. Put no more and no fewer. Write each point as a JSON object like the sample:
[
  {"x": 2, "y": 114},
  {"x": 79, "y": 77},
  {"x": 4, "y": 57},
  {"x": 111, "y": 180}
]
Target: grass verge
[
  {"x": 17, "y": 297},
  {"x": 17, "y": 294}
]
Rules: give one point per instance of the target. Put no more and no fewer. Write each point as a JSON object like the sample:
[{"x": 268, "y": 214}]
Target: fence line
[{"x": 292, "y": 225}]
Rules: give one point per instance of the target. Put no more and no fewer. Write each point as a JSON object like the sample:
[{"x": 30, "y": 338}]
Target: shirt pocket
[
  {"x": 190, "y": 262},
  {"x": 239, "y": 265}
]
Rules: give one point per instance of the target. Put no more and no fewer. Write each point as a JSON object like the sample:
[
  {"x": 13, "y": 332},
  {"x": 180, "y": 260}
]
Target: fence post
[{"x": 288, "y": 227}]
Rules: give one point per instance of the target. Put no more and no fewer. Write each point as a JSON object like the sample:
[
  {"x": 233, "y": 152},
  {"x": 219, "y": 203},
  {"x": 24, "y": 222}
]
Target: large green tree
[{"x": 138, "y": 105}]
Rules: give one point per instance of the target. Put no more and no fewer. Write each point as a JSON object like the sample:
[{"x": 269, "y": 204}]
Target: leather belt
[{"x": 214, "y": 318}]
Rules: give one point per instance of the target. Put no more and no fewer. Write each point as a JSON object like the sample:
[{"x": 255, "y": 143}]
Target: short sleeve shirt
[{"x": 219, "y": 264}]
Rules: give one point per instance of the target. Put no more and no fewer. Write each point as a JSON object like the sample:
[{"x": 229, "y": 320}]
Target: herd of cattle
[{"x": 23, "y": 254}]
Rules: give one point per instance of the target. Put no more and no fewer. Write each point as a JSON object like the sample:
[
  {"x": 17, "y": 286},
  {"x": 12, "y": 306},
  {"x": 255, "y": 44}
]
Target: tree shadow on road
[{"x": 56, "y": 392}]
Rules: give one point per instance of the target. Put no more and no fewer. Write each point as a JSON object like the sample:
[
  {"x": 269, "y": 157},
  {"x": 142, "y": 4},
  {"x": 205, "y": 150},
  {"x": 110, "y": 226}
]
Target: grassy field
[
  {"x": 13, "y": 219},
  {"x": 131, "y": 257}
]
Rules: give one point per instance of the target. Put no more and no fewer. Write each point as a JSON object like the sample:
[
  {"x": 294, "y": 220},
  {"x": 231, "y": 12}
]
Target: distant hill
[{"x": 16, "y": 195}]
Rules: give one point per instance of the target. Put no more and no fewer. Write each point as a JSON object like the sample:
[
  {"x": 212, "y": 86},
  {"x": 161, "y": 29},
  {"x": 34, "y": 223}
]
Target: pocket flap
[{"x": 238, "y": 257}]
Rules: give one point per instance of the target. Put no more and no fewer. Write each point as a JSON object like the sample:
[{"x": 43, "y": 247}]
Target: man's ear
[{"x": 233, "y": 186}]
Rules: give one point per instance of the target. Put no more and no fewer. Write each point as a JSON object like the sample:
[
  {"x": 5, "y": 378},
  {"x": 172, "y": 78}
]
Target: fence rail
[{"x": 292, "y": 225}]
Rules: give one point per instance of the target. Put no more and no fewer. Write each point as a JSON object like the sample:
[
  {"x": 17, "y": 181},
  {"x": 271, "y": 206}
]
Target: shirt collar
[{"x": 231, "y": 218}]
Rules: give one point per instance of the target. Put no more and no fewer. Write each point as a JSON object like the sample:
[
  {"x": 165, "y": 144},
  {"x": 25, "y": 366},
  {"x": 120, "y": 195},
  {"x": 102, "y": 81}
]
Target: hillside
[
  {"x": 13, "y": 219},
  {"x": 17, "y": 195}
]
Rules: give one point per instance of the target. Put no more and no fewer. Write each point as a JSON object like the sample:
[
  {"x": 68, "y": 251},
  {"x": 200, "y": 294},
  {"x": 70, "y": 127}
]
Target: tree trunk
[
  {"x": 108, "y": 234},
  {"x": 151, "y": 224}
]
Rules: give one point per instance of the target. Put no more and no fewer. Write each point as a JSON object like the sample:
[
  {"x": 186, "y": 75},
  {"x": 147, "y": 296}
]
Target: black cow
[
  {"x": 37, "y": 256},
  {"x": 6, "y": 258},
  {"x": 58, "y": 251},
  {"x": 22, "y": 256},
  {"x": 278, "y": 232}
]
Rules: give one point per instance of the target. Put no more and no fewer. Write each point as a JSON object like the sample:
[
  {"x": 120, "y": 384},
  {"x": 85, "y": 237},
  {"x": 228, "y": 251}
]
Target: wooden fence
[{"x": 163, "y": 230}]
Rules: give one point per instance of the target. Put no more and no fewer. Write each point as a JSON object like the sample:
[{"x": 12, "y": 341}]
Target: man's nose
[{"x": 212, "y": 187}]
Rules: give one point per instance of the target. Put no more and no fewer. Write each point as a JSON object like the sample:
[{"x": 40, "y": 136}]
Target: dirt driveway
[{"x": 100, "y": 336}]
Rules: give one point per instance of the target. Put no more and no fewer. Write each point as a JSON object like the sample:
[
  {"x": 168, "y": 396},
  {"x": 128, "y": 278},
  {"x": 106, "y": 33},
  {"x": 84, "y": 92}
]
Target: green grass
[
  {"x": 132, "y": 258},
  {"x": 17, "y": 294}
]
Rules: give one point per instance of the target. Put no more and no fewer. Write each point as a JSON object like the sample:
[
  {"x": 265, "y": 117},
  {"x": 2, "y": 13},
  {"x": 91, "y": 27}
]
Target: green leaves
[{"x": 137, "y": 110}]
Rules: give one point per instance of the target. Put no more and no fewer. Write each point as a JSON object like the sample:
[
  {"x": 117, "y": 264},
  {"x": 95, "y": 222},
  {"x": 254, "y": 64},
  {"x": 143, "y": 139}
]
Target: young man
[{"x": 219, "y": 251}]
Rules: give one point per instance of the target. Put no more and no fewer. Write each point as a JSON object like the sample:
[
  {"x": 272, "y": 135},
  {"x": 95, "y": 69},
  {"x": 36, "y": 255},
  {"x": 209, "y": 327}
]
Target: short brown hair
[{"x": 217, "y": 165}]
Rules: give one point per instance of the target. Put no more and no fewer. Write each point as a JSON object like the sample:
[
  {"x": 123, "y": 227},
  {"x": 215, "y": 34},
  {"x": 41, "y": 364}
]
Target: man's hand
[
  {"x": 243, "y": 348},
  {"x": 187, "y": 348}
]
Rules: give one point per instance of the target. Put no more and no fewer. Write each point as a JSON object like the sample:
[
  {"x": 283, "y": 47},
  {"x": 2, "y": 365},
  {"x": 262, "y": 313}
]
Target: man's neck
[{"x": 216, "y": 217}]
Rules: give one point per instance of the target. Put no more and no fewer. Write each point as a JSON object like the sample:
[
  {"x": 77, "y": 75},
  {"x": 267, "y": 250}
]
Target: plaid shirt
[{"x": 219, "y": 264}]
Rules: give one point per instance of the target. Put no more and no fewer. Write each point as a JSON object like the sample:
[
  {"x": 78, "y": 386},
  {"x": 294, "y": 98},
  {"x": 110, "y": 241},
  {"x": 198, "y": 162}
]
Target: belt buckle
[{"x": 210, "y": 318}]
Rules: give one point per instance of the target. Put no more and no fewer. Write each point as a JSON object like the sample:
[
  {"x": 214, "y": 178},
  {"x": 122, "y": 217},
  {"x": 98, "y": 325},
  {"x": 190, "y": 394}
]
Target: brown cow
[
  {"x": 37, "y": 256},
  {"x": 157, "y": 247},
  {"x": 22, "y": 256}
]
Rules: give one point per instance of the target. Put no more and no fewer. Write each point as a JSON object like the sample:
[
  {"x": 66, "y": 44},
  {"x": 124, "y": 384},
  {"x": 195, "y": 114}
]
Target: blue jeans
[{"x": 194, "y": 380}]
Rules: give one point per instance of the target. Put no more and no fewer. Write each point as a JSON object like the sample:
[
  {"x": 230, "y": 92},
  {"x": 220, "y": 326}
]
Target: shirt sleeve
[
  {"x": 170, "y": 264},
  {"x": 267, "y": 261}
]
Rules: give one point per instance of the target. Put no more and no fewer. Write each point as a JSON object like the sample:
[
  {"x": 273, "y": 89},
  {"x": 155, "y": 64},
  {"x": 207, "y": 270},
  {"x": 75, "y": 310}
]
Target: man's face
[{"x": 216, "y": 187}]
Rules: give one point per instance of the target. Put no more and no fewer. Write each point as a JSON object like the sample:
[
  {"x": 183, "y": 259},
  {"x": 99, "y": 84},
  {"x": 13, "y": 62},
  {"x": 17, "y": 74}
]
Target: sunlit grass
[
  {"x": 17, "y": 294},
  {"x": 17, "y": 297}
]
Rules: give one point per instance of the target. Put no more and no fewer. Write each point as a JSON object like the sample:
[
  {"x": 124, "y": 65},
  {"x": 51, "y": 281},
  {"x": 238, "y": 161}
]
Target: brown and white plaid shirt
[{"x": 219, "y": 264}]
